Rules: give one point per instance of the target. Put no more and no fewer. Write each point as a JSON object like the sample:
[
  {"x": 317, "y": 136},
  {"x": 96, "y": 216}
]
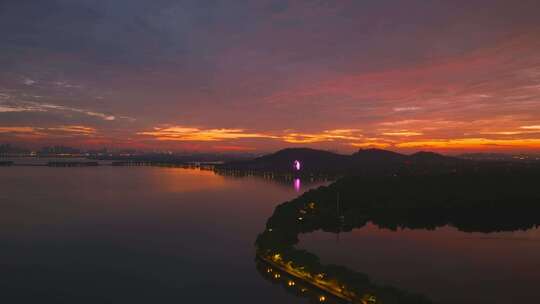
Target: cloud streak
[
  {"x": 181, "y": 133},
  {"x": 27, "y": 106},
  {"x": 61, "y": 131},
  {"x": 472, "y": 143}
]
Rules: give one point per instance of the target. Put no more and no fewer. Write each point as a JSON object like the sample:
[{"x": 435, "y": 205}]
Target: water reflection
[
  {"x": 296, "y": 181},
  {"x": 297, "y": 184},
  {"x": 180, "y": 180},
  {"x": 132, "y": 235}
]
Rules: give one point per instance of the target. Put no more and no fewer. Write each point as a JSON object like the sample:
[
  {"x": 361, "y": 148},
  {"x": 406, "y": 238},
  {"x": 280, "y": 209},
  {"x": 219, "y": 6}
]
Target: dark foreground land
[{"x": 476, "y": 198}]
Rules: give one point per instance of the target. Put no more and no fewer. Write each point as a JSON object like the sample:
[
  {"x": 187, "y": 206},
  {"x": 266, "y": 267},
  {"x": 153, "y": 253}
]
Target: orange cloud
[
  {"x": 81, "y": 130},
  {"x": 327, "y": 135},
  {"x": 181, "y": 133},
  {"x": 471, "y": 143},
  {"x": 429, "y": 135},
  {"x": 17, "y": 129},
  {"x": 378, "y": 145},
  {"x": 531, "y": 127},
  {"x": 402, "y": 133},
  {"x": 489, "y": 93},
  {"x": 58, "y": 131}
]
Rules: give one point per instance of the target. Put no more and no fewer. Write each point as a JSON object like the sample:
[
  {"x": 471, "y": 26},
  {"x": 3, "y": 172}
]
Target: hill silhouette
[{"x": 364, "y": 161}]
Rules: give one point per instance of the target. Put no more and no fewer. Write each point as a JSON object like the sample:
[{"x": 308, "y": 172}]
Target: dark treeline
[
  {"x": 368, "y": 162},
  {"x": 486, "y": 199}
]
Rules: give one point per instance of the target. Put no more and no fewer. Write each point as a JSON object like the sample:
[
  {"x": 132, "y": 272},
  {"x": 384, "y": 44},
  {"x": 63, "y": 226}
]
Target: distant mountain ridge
[{"x": 315, "y": 161}]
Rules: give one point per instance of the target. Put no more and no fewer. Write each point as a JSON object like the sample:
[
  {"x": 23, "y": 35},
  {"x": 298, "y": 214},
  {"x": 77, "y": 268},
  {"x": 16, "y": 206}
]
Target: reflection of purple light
[
  {"x": 297, "y": 184},
  {"x": 296, "y": 165}
]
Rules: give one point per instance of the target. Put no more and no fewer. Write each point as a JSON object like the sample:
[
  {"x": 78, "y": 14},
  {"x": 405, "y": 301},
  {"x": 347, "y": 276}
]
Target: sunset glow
[{"x": 260, "y": 76}]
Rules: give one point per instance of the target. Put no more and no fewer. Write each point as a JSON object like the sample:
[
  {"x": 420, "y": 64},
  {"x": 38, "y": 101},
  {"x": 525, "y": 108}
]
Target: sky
[{"x": 255, "y": 76}]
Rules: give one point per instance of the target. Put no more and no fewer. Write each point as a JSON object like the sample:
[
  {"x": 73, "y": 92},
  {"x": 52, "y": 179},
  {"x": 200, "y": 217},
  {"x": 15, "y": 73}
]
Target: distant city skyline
[{"x": 258, "y": 76}]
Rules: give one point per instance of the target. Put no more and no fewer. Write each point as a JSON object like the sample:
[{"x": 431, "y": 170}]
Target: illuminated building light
[
  {"x": 322, "y": 298},
  {"x": 297, "y": 165},
  {"x": 291, "y": 283},
  {"x": 269, "y": 270},
  {"x": 277, "y": 275},
  {"x": 303, "y": 289},
  {"x": 300, "y": 218}
]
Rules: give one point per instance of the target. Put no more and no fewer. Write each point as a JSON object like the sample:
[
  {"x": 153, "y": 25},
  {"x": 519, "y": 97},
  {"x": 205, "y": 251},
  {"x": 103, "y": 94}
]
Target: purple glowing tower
[{"x": 296, "y": 165}]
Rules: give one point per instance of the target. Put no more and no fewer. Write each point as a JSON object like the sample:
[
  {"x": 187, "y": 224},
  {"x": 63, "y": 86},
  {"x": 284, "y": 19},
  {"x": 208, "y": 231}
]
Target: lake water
[
  {"x": 170, "y": 235},
  {"x": 445, "y": 264},
  {"x": 133, "y": 235}
]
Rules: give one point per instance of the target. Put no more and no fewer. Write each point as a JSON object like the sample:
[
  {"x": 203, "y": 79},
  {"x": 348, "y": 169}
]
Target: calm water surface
[
  {"x": 133, "y": 235},
  {"x": 445, "y": 264},
  {"x": 166, "y": 235}
]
